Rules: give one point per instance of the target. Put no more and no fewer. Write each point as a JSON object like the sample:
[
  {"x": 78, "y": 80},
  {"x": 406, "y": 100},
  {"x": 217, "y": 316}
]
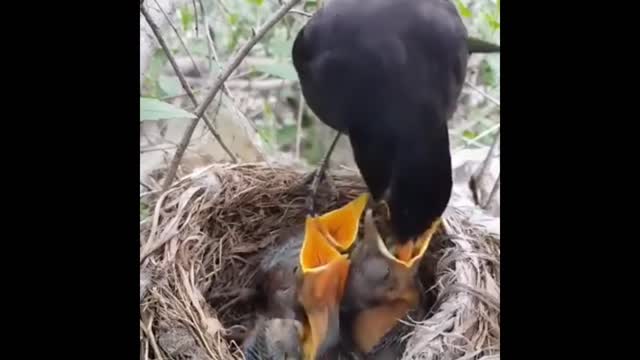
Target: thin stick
[
  {"x": 225, "y": 88},
  {"x": 494, "y": 190},
  {"x": 300, "y": 12},
  {"x": 320, "y": 173},
  {"x": 186, "y": 138},
  {"x": 242, "y": 53},
  {"x": 175, "y": 30},
  {"x": 481, "y": 92},
  {"x": 145, "y": 186},
  {"x": 487, "y": 159},
  {"x": 299, "y": 124},
  {"x": 195, "y": 13},
  {"x": 152, "y": 340},
  {"x": 207, "y": 36}
]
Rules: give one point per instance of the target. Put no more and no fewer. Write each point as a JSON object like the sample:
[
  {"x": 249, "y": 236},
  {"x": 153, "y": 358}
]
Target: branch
[
  {"x": 195, "y": 12},
  {"x": 299, "y": 124},
  {"x": 494, "y": 190},
  {"x": 300, "y": 12},
  {"x": 175, "y": 30},
  {"x": 244, "y": 51},
  {"x": 189, "y": 132},
  {"x": 225, "y": 88},
  {"x": 147, "y": 40},
  {"x": 487, "y": 159},
  {"x": 319, "y": 173},
  {"x": 481, "y": 92}
]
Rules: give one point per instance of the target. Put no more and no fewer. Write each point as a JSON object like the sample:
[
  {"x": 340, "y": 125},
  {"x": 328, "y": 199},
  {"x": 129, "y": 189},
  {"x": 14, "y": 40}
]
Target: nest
[{"x": 200, "y": 245}]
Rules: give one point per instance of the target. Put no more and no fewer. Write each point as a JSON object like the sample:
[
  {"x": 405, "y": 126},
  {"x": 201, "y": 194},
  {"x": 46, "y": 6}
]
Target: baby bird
[
  {"x": 381, "y": 290},
  {"x": 274, "y": 339},
  {"x": 301, "y": 284}
]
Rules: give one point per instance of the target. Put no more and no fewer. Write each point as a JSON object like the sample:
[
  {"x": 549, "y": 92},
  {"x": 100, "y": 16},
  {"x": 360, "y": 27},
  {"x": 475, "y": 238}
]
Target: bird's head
[
  {"x": 400, "y": 247},
  {"x": 324, "y": 272},
  {"x": 376, "y": 275},
  {"x": 381, "y": 289}
]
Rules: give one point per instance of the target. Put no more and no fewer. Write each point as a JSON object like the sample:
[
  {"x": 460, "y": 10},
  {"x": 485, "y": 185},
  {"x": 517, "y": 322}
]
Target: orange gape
[
  {"x": 325, "y": 271},
  {"x": 405, "y": 252},
  {"x": 320, "y": 297},
  {"x": 411, "y": 252},
  {"x": 340, "y": 226},
  {"x": 316, "y": 251}
]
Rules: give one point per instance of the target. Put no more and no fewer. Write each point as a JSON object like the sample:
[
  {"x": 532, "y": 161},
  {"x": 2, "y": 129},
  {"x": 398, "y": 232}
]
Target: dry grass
[{"x": 200, "y": 245}]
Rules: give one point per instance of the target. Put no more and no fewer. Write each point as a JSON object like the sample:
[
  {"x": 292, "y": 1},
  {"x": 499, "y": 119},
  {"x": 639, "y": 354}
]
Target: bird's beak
[
  {"x": 411, "y": 252},
  {"x": 340, "y": 226},
  {"x": 324, "y": 275}
]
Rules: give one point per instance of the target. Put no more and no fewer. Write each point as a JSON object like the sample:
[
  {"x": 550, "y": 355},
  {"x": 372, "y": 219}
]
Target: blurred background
[{"x": 259, "y": 112}]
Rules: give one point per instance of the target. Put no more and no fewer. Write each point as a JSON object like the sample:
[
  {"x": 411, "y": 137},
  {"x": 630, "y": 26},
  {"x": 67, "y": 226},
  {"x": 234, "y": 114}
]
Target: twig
[
  {"x": 211, "y": 49},
  {"x": 190, "y": 129},
  {"x": 241, "y": 75},
  {"x": 195, "y": 14},
  {"x": 311, "y": 201},
  {"x": 494, "y": 190},
  {"x": 300, "y": 12},
  {"x": 223, "y": 6},
  {"x": 146, "y": 186},
  {"x": 209, "y": 36},
  {"x": 242, "y": 53},
  {"x": 152, "y": 340},
  {"x": 487, "y": 159},
  {"x": 175, "y": 30},
  {"x": 476, "y": 139},
  {"x": 481, "y": 92},
  {"x": 225, "y": 88},
  {"x": 160, "y": 148},
  {"x": 299, "y": 124}
]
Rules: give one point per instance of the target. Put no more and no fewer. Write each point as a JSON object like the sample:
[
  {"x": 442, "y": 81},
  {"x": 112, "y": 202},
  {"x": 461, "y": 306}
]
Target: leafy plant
[
  {"x": 281, "y": 70},
  {"x": 154, "y": 109}
]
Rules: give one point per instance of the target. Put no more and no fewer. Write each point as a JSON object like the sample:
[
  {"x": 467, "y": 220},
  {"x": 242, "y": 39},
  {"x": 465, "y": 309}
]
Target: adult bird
[{"x": 388, "y": 73}]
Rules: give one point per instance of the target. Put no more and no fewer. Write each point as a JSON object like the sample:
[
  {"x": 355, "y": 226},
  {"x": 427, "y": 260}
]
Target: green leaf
[
  {"x": 256, "y": 2},
  {"x": 169, "y": 85},
  {"x": 280, "y": 70},
  {"x": 154, "y": 109},
  {"x": 487, "y": 73},
  {"x": 464, "y": 10},
  {"x": 287, "y": 134},
  {"x": 233, "y": 19},
  {"x": 187, "y": 17},
  {"x": 493, "y": 23},
  {"x": 468, "y": 134}
]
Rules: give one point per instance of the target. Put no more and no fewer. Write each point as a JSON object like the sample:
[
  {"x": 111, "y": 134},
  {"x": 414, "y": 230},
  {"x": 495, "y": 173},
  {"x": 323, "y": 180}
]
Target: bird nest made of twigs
[{"x": 200, "y": 245}]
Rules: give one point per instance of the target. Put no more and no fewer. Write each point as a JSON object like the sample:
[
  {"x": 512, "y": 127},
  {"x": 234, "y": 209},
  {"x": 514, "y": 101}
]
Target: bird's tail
[{"x": 477, "y": 46}]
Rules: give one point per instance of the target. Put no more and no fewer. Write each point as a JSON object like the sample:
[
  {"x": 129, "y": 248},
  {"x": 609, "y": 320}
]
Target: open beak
[
  {"x": 412, "y": 251},
  {"x": 340, "y": 226},
  {"x": 373, "y": 323},
  {"x": 324, "y": 275}
]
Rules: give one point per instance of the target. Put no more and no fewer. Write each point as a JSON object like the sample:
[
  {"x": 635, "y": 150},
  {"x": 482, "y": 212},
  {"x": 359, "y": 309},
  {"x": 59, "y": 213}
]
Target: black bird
[{"x": 388, "y": 73}]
